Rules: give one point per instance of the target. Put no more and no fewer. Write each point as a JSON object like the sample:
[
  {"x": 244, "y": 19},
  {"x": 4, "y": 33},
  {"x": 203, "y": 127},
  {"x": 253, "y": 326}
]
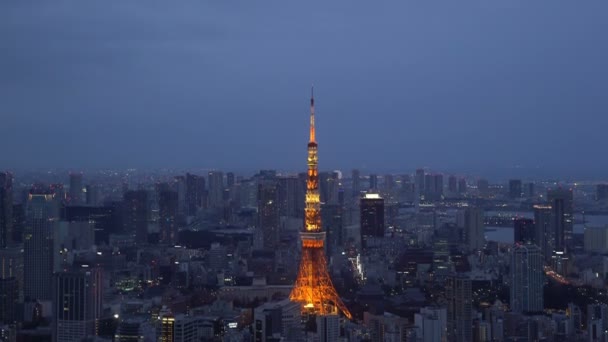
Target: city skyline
[{"x": 450, "y": 87}]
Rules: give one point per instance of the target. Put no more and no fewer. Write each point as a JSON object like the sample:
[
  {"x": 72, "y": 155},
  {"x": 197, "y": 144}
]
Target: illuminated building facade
[{"x": 314, "y": 288}]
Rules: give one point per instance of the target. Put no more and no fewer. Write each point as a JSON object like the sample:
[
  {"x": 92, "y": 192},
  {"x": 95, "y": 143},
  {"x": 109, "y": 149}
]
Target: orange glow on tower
[{"x": 313, "y": 287}]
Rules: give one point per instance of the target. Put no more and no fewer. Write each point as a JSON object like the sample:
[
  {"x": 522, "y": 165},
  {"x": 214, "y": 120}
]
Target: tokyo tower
[{"x": 313, "y": 287}]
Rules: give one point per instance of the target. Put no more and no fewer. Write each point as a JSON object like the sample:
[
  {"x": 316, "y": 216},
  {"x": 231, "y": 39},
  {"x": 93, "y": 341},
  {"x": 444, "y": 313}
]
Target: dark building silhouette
[
  {"x": 195, "y": 187},
  {"x": 462, "y": 186},
  {"x": 9, "y": 297},
  {"x": 76, "y": 194},
  {"x": 372, "y": 218},
  {"x": 356, "y": 182},
  {"x": 42, "y": 215},
  {"x": 136, "y": 214},
  {"x": 452, "y": 184},
  {"x": 230, "y": 179},
  {"x": 290, "y": 196},
  {"x": 433, "y": 187},
  {"x": 515, "y": 189},
  {"x": 6, "y": 209},
  {"x": 543, "y": 229},
  {"x": 564, "y": 209},
  {"x": 524, "y": 230},
  {"x": 268, "y": 213},
  {"x": 331, "y": 220},
  {"x": 103, "y": 219},
  {"x": 373, "y": 182},
  {"x": 167, "y": 210},
  {"x": 601, "y": 192}
]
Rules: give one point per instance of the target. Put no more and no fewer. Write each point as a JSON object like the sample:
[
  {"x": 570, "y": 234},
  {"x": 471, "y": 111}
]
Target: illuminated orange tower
[{"x": 313, "y": 287}]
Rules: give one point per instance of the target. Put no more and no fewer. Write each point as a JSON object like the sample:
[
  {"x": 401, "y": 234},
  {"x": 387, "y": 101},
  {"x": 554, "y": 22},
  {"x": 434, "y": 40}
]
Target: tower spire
[
  {"x": 313, "y": 287},
  {"x": 312, "y": 114}
]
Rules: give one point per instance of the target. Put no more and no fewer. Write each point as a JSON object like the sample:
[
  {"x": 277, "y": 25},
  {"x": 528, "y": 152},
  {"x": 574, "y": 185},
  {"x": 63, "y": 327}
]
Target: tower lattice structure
[{"x": 314, "y": 288}]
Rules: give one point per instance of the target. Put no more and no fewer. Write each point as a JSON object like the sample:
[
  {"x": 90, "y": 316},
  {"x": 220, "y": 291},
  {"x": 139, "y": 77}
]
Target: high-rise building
[
  {"x": 542, "y": 229},
  {"x": 230, "y": 179},
  {"x": 419, "y": 182},
  {"x": 433, "y": 187},
  {"x": 563, "y": 210},
  {"x": 527, "y": 278},
  {"x": 460, "y": 308},
  {"x": 471, "y": 220},
  {"x": 6, "y": 209},
  {"x": 452, "y": 184},
  {"x": 77, "y": 303},
  {"x": 356, "y": 180},
  {"x": 601, "y": 192},
  {"x": 524, "y": 230},
  {"x": 373, "y": 182},
  {"x": 268, "y": 213},
  {"x": 167, "y": 211},
  {"x": 462, "y": 186},
  {"x": 76, "y": 189},
  {"x": 194, "y": 193},
  {"x": 483, "y": 187},
  {"x": 515, "y": 190},
  {"x": 42, "y": 215},
  {"x": 372, "y": 218},
  {"x": 289, "y": 191},
  {"x": 389, "y": 183},
  {"x": 314, "y": 289},
  {"x": 216, "y": 189},
  {"x": 332, "y": 222},
  {"x": 530, "y": 190},
  {"x": 136, "y": 214}
]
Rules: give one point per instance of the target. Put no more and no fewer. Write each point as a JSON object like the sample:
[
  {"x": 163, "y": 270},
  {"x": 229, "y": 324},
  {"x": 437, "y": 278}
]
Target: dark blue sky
[{"x": 451, "y": 85}]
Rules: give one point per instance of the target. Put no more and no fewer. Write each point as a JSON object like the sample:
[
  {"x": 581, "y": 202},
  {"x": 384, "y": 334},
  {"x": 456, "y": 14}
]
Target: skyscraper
[
  {"x": 77, "y": 303},
  {"x": 136, "y": 214},
  {"x": 331, "y": 218},
  {"x": 471, "y": 220},
  {"x": 527, "y": 278},
  {"x": 356, "y": 179},
  {"x": 542, "y": 229},
  {"x": 433, "y": 187},
  {"x": 460, "y": 311},
  {"x": 373, "y": 182},
  {"x": 230, "y": 179},
  {"x": 452, "y": 184},
  {"x": 419, "y": 182},
  {"x": 566, "y": 209},
  {"x": 194, "y": 193},
  {"x": 289, "y": 189},
  {"x": 515, "y": 189},
  {"x": 524, "y": 230},
  {"x": 42, "y": 215},
  {"x": 268, "y": 213},
  {"x": 167, "y": 207},
  {"x": 462, "y": 186},
  {"x": 372, "y": 218},
  {"x": 6, "y": 209},
  {"x": 76, "y": 187},
  {"x": 216, "y": 189},
  {"x": 314, "y": 288}
]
